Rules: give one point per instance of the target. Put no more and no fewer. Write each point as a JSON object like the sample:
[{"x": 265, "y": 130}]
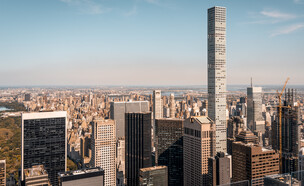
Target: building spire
[{"x": 251, "y": 82}]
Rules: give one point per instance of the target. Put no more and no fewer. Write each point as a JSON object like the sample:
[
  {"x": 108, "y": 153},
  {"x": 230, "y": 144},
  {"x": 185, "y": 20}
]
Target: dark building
[
  {"x": 252, "y": 162},
  {"x": 118, "y": 110},
  {"x": 290, "y": 133},
  {"x": 43, "y": 142},
  {"x": 83, "y": 177},
  {"x": 153, "y": 176},
  {"x": 169, "y": 148},
  {"x": 219, "y": 169},
  {"x": 137, "y": 145},
  {"x": 27, "y": 97}
]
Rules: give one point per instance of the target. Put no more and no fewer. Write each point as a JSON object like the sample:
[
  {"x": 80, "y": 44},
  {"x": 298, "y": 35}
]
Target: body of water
[{"x": 3, "y": 109}]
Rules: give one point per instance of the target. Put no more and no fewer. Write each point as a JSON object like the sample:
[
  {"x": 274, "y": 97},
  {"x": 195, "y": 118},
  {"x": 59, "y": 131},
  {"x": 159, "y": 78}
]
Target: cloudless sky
[{"x": 146, "y": 42}]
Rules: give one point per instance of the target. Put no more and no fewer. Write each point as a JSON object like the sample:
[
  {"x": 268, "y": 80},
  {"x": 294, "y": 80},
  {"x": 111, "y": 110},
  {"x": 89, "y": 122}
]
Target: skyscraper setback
[{"x": 217, "y": 73}]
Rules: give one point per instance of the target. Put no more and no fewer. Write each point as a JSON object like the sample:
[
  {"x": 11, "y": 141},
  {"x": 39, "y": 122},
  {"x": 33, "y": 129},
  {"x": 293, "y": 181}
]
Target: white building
[
  {"x": 104, "y": 149},
  {"x": 217, "y": 74}
]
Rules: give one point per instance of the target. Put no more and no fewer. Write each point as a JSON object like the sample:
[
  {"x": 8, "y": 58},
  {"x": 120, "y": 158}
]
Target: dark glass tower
[
  {"x": 43, "y": 142},
  {"x": 169, "y": 148},
  {"x": 138, "y": 145}
]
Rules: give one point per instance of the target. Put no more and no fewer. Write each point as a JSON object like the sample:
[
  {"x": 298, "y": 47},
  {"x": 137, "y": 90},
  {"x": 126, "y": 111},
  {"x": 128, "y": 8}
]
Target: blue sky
[{"x": 146, "y": 42}]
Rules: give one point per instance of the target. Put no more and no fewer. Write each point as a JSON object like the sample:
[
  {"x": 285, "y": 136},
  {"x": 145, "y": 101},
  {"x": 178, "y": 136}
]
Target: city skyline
[{"x": 91, "y": 42}]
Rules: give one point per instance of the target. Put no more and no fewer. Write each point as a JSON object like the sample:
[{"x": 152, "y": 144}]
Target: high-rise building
[
  {"x": 118, "y": 110},
  {"x": 120, "y": 162},
  {"x": 255, "y": 120},
  {"x": 217, "y": 73},
  {"x": 84, "y": 177},
  {"x": 199, "y": 145},
  {"x": 153, "y": 176},
  {"x": 137, "y": 145},
  {"x": 44, "y": 142},
  {"x": 169, "y": 148},
  {"x": 252, "y": 162},
  {"x": 172, "y": 106},
  {"x": 104, "y": 149},
  {"x": 27, "y": 97},
  {"x": 219, "y": 169},
  {"x": 2, "y": 173},
  {"x": 36, "y": 175},
  {"x": 157, "y": 105},
  {"x": 291, "y": 122}
]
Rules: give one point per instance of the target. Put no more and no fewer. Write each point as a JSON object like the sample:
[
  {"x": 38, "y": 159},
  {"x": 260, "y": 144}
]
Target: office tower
[
  {"x": 291, "y": 122},
  {"x": 2, "y": 173},
  {"x": 199, "y": 145},
  {"x": 219, "y": 169},
  {"x": 217, "y": 73},
  {"x": 104, "y": 149},
  {"x": 172, "y": 106},
  {"x": 253, "y": 162},
  {"x": 137, "y": 145},
  {"x": 169, "y": 148},
  {"x": 44, "y": 142},
  {"x": 247, "y": 136},
  {"x": 118, "y": 110},
  {"x": 153, "y": 176},
  {"x": 27, "y": 97},
  {"x": 84, "y": 177},
  {"x": 36, "y": 175},
  {"x": 157, "y": 105},
  {"x": 255, "y": 120}
]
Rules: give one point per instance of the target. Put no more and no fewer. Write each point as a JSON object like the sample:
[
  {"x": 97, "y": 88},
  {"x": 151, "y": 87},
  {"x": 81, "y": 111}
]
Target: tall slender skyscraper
[
  {"x": 217, "y": 73},
  {"x": 44, "y": 142},
  {"x": 104, "y": 149}
]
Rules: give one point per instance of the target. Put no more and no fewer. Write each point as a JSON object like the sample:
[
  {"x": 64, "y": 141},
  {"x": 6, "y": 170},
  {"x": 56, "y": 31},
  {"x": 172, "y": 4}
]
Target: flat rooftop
[
  {"x": 80, "y": 172},
  {"x": 37, "y": 170},
  {"x": 153, "y": 168}
]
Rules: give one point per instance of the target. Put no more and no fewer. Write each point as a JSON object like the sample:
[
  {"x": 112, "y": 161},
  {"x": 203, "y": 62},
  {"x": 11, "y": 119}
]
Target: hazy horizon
[{"x": 146, "y": 42}]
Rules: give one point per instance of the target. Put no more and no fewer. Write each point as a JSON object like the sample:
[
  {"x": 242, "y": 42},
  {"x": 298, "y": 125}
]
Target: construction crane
[{"x": 280, "y": 120}]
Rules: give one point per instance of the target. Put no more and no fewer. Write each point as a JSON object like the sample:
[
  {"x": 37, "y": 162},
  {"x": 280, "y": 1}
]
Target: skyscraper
[
  {"x": 172, "y": 106},
  {"x": 252, "y": 162},
  {"x": 44, "y": 142},
  {"x": 169, "y": 148},
  {"x": 104, "y": 149},
  {"x": 217, "y": 73},
  {"x": 138, "y": 145},
  {"x": 118, "y": 110},
  {"x": 219, "y": 169},
  {"x": 199, "y": 145},
  {"x": 157, "y": 105},
  {"x": 291, "y": 135},
  {"x": 255, "y": 120}
]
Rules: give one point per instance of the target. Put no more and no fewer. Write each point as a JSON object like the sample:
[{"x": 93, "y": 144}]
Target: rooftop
[
  {"x": 36, "y": 170},
  {"x": 153, "y": 168},
  {"x": 79, "y": 172}
]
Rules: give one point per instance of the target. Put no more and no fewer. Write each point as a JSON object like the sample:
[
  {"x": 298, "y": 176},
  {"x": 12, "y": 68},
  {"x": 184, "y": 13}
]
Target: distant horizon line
[{"x": 97, "y": 86}]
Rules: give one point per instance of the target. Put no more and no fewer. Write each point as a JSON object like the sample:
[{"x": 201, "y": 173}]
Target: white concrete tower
[
  {"x": 172, "y": 106},
  {"x": 217, "y": 73}
]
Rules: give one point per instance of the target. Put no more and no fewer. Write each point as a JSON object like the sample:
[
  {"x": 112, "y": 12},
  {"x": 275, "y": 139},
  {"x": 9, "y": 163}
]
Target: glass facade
[{"x": 44, "y": 144}]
